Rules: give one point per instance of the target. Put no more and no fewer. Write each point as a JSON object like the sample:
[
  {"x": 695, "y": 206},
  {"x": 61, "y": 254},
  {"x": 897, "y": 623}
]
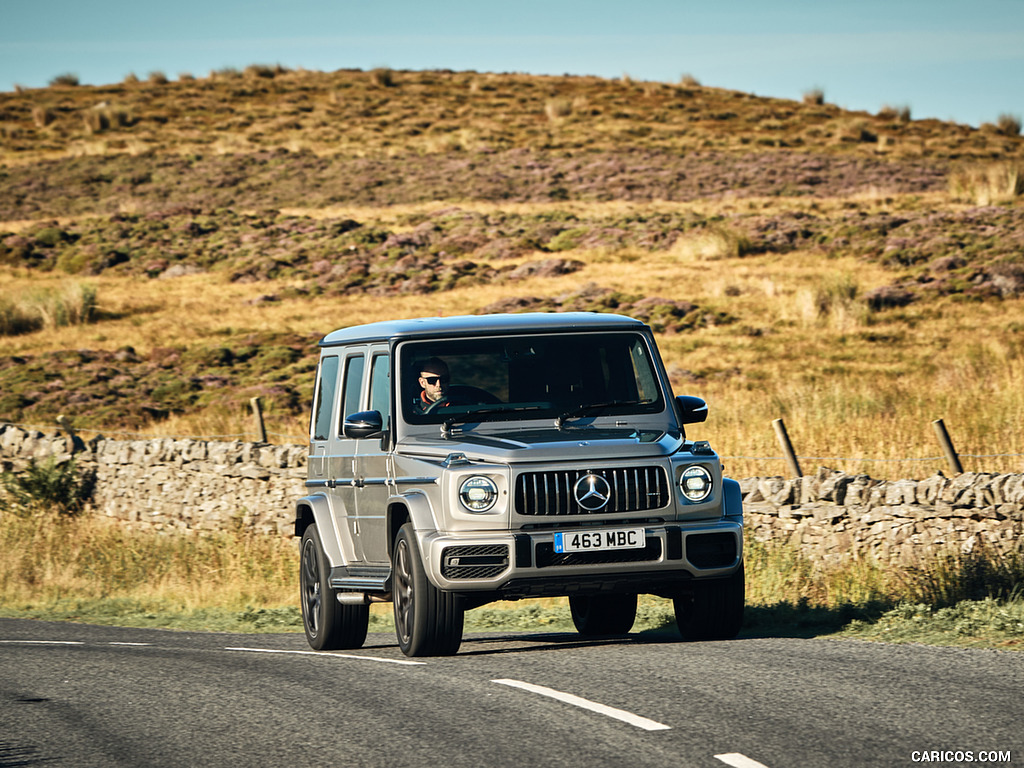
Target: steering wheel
[{"x": 463, "y": 395}]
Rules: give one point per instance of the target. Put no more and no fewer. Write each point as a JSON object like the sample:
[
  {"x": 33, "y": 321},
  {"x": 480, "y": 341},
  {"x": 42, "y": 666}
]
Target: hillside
[{"x": 170, "y": 249}]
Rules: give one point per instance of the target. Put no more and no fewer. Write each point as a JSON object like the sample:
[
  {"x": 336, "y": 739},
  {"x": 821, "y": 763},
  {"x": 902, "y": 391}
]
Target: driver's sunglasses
[{"x": 432, "y": 380}]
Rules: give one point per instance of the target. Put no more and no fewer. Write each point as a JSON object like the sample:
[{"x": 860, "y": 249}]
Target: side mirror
[
  {"x": 691, "y": 410},
  {"x": 363, "y": 424}
]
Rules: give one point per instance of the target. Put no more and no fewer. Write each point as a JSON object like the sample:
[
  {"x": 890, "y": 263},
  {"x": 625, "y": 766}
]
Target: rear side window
[
  {"x": 353, "y": 386},
  {"x": 325, "y": 398}
]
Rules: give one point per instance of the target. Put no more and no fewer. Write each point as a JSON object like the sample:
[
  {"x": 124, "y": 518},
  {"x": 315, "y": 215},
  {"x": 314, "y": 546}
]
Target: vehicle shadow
[{"x": 782, "y": 620}]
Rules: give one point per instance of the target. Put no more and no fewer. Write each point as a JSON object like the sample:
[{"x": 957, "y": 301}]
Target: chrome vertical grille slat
[{"x": 632, "y": 489}]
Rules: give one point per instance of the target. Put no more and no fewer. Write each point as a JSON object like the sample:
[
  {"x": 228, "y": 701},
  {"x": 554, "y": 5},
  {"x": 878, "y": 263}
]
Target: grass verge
[{"x": 95, "y": 570}]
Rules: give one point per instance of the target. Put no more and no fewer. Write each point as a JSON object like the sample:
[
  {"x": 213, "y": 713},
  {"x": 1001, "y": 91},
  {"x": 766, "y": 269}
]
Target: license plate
[{"x": 600, "y": 540}]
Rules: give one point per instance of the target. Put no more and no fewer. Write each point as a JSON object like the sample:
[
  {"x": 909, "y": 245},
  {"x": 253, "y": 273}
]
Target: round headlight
[
  {"x": 478, "y": 493},
  {"x": 695, "y": 483}
]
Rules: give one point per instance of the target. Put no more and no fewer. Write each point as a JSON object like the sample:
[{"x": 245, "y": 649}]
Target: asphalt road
[{"x": 77, "y": 695}]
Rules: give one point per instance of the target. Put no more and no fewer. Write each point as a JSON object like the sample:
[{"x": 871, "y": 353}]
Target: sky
[{"x": 949, "y": 59}]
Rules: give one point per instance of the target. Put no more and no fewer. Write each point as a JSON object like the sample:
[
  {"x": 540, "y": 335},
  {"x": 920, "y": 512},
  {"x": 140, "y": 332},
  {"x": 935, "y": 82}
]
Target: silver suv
[{"x": 458, "y": 461}]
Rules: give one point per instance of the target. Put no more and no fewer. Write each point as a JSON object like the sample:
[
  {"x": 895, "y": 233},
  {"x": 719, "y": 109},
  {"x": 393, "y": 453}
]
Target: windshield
[{"x": 559, "y": 376}]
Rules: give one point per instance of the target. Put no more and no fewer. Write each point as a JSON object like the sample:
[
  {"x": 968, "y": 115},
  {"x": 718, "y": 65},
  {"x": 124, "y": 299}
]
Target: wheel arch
[
  {"x": 408, "y": 508},
  {"x": 315, "y": 509}
]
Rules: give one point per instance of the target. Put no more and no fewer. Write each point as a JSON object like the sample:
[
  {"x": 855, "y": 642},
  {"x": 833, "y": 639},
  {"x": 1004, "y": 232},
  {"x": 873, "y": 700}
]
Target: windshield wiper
[
  {"x": 584, "y": 408},
  {"x": 464, "y": 418}
]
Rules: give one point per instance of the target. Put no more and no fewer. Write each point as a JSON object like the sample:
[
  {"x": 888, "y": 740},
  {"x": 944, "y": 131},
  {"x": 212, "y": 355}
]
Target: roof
[{"x": 475, "y": 325}]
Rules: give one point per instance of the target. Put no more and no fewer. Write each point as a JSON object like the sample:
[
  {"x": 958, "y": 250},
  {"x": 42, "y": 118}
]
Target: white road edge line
[
  {"x": 132, "y": 644},
  {"x": 593, "y": 706},
  {"x": 736, "y": 760},
  {"x": 326, "y": 654}
]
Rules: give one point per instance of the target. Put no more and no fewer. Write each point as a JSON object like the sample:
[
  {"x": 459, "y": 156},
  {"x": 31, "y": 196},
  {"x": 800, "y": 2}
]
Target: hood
[{"x": 545, "y": 445}]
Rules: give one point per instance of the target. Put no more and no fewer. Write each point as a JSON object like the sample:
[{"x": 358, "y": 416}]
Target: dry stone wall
[
  {"x": 209, "y": 485},
  {"x": 167, "y": 483},
  {"x": 835, "y": 515}
]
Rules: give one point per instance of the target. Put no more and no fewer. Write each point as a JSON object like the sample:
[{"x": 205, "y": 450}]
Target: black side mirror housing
[
  {"x": 691, "y": 410},
  {"x": 363, "y": 424}
]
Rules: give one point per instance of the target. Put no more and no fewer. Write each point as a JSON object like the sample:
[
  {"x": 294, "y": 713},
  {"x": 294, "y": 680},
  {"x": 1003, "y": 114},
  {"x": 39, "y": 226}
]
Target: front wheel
[
  {"x": 603, "y": 614},
  {"x": 329, "y": 625},
  {"x": 715, "y": 609},
  {"x": 428, "y": 621}
]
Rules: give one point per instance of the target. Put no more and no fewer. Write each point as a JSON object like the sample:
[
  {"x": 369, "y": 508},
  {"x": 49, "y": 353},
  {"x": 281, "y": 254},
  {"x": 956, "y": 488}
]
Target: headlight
[
  {"x": 478, "y": 493},
  {"x": 695, "y": 483}
]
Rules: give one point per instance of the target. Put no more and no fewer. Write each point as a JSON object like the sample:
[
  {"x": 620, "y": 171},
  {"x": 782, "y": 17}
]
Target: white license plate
[{"x": 600, "y": 540}]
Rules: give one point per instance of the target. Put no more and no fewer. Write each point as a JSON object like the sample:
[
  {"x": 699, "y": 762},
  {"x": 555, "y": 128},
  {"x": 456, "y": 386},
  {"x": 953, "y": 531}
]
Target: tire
[
  {"x": 428, "y": 621},
  {"x": 329, "y": 625},
  {"x": 596, "y": 615},
  {"x": 714, "y": 611}
]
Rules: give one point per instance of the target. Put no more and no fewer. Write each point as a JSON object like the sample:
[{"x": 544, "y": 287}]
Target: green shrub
[{"x": 47, "y": 487}]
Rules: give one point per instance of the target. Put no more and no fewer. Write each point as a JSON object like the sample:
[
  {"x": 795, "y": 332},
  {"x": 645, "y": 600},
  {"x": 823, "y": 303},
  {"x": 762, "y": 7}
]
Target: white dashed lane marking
[
  {"x": 736, "y": 760},
  {"x": 593, "y": 706},
  {"x": 42, "y": 642}
]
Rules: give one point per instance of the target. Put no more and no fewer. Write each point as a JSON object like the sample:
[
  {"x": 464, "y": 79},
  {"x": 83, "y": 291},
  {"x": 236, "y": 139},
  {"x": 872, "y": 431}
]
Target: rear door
[
  {"x": 374, "y": 466},
  {"x": 341, "y": 451}
]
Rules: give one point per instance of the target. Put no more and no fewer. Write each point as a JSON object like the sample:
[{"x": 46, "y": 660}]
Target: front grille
[
  {"x": 632, "y": 489},
  {"x": 479, "y": 561},
  {"x": 547, "y": 556}
]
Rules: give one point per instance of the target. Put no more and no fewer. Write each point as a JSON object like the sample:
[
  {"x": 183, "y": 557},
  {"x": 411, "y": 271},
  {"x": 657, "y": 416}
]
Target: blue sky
[{"x": 950, "y": 59}]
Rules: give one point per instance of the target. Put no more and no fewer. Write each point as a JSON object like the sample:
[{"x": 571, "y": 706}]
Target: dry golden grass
[
  {"x": 386, "y": 112},
  {"x": 850, "y": 382}
]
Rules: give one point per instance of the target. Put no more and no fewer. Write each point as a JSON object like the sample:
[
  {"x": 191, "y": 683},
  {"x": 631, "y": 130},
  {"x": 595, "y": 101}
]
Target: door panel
[{"x": 374, "y": 467}]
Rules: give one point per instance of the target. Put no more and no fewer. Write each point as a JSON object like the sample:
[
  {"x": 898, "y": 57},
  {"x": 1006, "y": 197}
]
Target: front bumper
[{"x": 524, "y": 563}]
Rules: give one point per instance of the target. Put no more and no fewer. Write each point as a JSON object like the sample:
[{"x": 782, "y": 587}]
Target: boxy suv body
[{"x": 457, "y": 461}]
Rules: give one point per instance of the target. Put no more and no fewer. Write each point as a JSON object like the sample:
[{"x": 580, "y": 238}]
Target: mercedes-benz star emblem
[{"x": 592, "y": 492}]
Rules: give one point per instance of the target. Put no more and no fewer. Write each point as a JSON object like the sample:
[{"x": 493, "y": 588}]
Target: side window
[
  {"x": 353, "y": 386},
  {"x": 380, "y": 387},
  {"x": 325, "y": 398}
]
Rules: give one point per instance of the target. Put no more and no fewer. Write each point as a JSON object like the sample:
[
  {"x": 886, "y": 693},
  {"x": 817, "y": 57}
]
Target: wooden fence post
[
  {"x": 947, "y": 447},
  {"x": 257, "y": 413},
  {"x": 787, "y": 447}
]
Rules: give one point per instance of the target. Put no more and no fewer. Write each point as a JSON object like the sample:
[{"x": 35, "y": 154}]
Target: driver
[{"x": 434, "y": 381}]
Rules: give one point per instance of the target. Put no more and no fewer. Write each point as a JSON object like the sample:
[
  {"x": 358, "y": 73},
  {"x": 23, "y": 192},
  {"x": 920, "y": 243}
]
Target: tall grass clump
[
  {"x": 383, "y": 77},
  {"x": 1008, "y": 125},
  {"x": 986, "y": 184},
  {"x": 65, "y": 79},
  {"x": 814, "y": 97},
  {"x": 72, "y": 304}
]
